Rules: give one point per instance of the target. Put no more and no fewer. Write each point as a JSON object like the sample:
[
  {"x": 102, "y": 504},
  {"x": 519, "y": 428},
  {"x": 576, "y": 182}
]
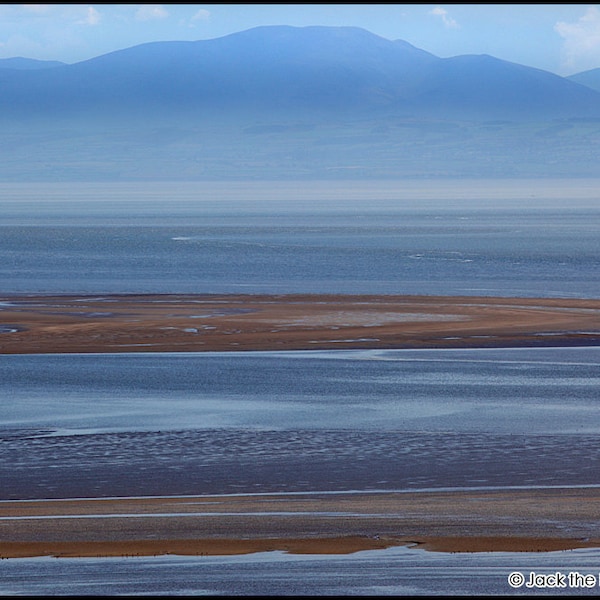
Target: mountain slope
[
  {"x": 589, "y": 78},
  {"x": 266, "y": 68},
  {"x": 472, "y": 86},
  {"x": 18, "y": 62},
  {"x": 294, "y": 103},
  {"x": 318, "y": 70}
]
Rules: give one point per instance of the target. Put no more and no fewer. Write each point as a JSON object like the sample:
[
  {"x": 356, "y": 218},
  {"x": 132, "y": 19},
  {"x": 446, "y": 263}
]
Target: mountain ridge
[
  {"x": 22, "y": 63},
  {"x": 590, "y": 78},
  {"x": 313, "y": 68},
  {"x": 294, "y": 103}
]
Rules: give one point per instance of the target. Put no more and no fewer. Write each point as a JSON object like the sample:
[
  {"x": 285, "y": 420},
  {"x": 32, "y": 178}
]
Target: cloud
[
  {"x": 201, "y": 15},
  {"x": 37, "y": 9},
  {"x": 581, "y": 46},
  {"x": 92, "y": 17},
  {"x": 61, "y": 15},
  {"x": 149, "y": 12},
  {"x": 449, "y": 22}
]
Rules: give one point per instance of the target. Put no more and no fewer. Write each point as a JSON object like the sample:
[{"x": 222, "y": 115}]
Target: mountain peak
[{"x": 320, "y": 69}]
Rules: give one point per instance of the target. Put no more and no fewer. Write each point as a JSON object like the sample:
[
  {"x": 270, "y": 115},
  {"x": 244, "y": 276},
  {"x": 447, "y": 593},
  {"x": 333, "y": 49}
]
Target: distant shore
[
  {"x": 32, "y": 324},
  {"x": 522, "y": 520}
]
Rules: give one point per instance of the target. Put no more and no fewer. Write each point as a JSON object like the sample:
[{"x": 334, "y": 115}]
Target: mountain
[
  {"x": 589, "y": 78},
  {"x": 18, "y": 62},
  {"x": 484, "y": 86},
  {"x": 263, "y": 69},
  {"x": 279, "y": 69},
  {"x": 294, "y": 103}
]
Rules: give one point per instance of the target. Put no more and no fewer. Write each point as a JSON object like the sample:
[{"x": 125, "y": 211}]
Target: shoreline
[
  {"x": 39, "y": 324},
  {"x": 498, "y": 520},
  {"x": 325, "y": 545},
  {"x": 458, "y": 521}
]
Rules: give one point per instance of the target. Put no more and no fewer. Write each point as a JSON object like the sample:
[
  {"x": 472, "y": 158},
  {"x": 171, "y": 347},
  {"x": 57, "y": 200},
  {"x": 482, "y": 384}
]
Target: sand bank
[
  {"x": 466, "y": 521},
  {"x": 532, "y": 520},
  {"x": 200, "y": 323}
]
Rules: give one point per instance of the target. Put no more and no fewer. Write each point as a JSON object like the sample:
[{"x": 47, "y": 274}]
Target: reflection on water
[
  {"x": 391, "y": 572},
  {"x": 226, "y": 461},
  {"x": 139, "y": 424},
  {"x": 546, "y": 390}
]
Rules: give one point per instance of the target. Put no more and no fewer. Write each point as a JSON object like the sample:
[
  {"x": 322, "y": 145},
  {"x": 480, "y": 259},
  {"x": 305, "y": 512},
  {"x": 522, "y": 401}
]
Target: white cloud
[
  {"x": 62, "y": 15},
  {"x": 92, "y": 17},
  {"x": 201, "y": 15},
  {"x": 449, "y": 22},
  {"x": 149, "y": 12},
  {"x": 38, "y": 9},
  {"x": 581, "y": 46}
]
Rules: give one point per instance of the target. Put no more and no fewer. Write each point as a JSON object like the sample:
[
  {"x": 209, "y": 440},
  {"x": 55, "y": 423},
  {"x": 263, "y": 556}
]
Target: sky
[{"x": 561, "y": 38}]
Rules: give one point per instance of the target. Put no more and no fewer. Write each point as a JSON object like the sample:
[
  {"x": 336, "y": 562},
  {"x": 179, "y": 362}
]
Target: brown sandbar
[
  {"x": 515, "y": 520},
  {"x": 200, "y": 323},
  {"x": 526, "y": 520}
]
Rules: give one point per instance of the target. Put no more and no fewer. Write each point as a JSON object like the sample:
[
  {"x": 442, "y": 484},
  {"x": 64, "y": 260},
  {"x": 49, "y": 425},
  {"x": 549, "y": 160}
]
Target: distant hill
[
  {"x": 482, "y": 86},
  {"x": 589, "y": 78},
  {"x": 318, "y": 70},
  {"x": 18, "y": 62},
  {"x": 295, "y": 103}
]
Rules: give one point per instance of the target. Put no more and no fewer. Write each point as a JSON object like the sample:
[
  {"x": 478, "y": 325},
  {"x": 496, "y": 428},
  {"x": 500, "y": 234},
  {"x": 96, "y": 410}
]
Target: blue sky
[{"x": 561, "y": 38}]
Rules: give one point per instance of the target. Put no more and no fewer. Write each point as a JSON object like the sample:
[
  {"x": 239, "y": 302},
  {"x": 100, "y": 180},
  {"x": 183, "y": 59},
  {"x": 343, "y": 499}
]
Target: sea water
[
  {"x": 456, "y": 238},
  {"x": 113, "y": 425},
  {"x": 396, "y": 572},
  {"x": 206, "y": 423}
]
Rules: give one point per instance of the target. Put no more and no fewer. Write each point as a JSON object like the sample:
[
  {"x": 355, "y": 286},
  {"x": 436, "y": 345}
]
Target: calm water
[
  {"x": 537, "y": 391},
  {"x": 392, "y": 572},
  {"x": 118, "y": 425},
  {"x": 494, "y": 238},
  {"x": 111, "y": 425}
]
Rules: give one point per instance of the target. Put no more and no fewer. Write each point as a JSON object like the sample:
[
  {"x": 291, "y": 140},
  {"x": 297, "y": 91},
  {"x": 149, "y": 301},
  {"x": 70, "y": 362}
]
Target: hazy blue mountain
[
  {"x": 288, "y": 102},
  {"x": 481, "y": 86},
  {"x": 321, "y": 70},
  {"x": 589, "y": 78},
  {"x": 260, "y": 70},
  {"x": 18, "y": 62}
]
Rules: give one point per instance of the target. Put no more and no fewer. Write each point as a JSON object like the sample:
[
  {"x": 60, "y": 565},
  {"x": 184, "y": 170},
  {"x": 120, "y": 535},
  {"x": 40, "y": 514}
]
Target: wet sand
[
  {"x": 201, "y": 323},
  {"x": 466, "y": 521},
  {"x": 533, "y": 520}
]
